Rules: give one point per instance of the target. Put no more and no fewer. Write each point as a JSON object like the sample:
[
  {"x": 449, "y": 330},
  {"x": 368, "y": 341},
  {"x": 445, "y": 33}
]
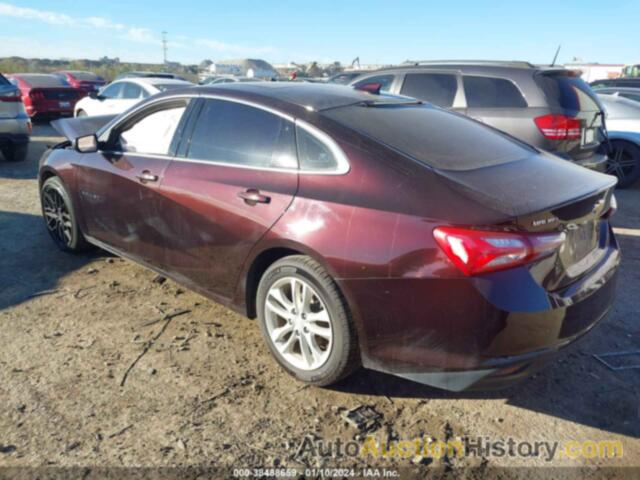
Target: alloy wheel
[
  {"x": 57, "y": 216},
  {"x": 621, "y": 162},
  {"x": 298, "y": 323}
]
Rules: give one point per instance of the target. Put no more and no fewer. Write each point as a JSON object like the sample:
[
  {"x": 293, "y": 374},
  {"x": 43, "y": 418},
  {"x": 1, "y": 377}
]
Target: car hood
[
  {"x": 532, "y": 184},
  {"x": 73, "y": 128}
]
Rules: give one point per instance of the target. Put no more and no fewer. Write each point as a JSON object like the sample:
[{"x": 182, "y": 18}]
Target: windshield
[
  {"x": 44, "y": 81},
  {"x": 4, "y": 81},
  {"x": 87, "y": 77},
  {"x": 432, "y": 136}
]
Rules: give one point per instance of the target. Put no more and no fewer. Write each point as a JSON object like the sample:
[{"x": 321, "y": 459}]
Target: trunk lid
[{"x": 542, "y": 193}]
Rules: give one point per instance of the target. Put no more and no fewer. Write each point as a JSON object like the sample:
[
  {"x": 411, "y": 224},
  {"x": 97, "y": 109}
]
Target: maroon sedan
[
  {"x": 357, "y": 228},
  {"x": 87, "y": 82},
  {"x": 46, "y": 95}
]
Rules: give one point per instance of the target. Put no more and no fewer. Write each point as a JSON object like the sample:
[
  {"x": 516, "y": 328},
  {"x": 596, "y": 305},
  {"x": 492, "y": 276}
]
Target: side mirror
[{"x": 87, "y": 144}]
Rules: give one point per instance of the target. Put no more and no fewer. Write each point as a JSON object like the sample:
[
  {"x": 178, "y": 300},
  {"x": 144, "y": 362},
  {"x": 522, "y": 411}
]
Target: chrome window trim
[{"x": 343, "y": 166}]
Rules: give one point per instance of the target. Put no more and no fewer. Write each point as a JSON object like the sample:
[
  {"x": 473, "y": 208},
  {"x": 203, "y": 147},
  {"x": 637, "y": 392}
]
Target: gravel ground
[{"x": 206, "y": 392}]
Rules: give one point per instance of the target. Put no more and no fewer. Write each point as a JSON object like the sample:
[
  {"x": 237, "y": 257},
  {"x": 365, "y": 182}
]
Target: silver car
[
  {"x": 548, "y": 107},
  {"x": 623, "y": 125},
  {"x": 15, "y": 125}
]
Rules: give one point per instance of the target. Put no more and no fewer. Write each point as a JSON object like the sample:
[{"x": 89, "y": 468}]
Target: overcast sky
[{"x": 283, "y": 30}]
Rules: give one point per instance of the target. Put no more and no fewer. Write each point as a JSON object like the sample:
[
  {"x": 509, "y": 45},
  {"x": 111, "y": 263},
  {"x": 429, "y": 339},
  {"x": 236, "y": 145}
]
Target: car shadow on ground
[
  {"x": 575, "y": 387},
  {"x": 31, "y": 264}
]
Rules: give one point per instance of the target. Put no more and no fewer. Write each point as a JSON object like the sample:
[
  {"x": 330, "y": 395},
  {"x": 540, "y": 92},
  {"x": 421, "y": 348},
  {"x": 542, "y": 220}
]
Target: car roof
[
  {"x": 504, "y": 68},
  {"x": 308, "y": 96}
]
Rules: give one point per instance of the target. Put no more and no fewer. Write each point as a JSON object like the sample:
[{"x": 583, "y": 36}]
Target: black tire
[
  {"x": 64, "y": 229},
  {"x": 16, "y": 152},
  {"x": 344, "y": 356},
  {"x": 81, "y": 113},
  {"x": 624, "y": 162}
]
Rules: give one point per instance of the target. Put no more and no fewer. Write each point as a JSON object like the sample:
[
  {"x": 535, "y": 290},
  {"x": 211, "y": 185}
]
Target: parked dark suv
[{"x": 548, "y": 107}]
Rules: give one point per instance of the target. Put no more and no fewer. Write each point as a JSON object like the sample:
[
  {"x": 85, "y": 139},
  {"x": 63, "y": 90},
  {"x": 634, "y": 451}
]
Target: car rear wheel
[
  {"x": 624, "y": 162},
  {"x": 60, "y": 217},
  {"x": 16, "y": 152},
  {"x": 306, "y": 322}
]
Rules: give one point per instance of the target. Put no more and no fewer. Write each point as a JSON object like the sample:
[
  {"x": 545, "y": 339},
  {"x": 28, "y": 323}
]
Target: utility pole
[{"x": 164, "y": 46}]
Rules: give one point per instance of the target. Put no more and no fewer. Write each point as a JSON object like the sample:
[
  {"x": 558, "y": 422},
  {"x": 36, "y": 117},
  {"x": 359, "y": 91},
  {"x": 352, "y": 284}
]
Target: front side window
[
  {"x": 385, "y": 82},
  {"x": 238, "y": 134},
  {"x": 153, "y": 133},
  {"x": 112, "y": 91},
  {"x": 437, "y": 88},
  {"x": 490, "y": 92}
]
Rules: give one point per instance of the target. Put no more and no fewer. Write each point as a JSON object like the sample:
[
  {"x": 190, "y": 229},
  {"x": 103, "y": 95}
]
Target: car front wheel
[
  {"x": 60, "y": 217},
  {"x": 306, "y": 322}
]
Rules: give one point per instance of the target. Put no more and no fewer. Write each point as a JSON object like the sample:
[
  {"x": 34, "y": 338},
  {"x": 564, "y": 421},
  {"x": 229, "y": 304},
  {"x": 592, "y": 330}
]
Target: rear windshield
[
  {"x": 569, "y": 93},
  {"x": 44, "y": 81},
  {"x": 87, "y": 76},
  {"x": 163, "y": 87},
  {"x": 432, "y": 136}
]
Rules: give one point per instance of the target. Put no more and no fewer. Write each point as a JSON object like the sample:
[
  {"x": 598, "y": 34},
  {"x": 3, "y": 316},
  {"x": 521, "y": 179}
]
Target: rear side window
[
  {"x": 490, "y": 92},
  {"x": 4, "y": 81},
  {"x": 437, "y": 88},
  {"x": 131, "y": 91},
  {"x": 385, "y": 82},
  {"x": 568, "y": 93},
  {"x": 237, "y": 134},
  {"x": 314, "y": 154},
  {"x": 631, "y": 96},
  {"x": 112, "y": 91}
]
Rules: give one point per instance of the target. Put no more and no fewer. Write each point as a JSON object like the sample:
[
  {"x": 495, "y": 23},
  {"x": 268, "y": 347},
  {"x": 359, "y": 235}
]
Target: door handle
[
  {"x": 252, "y": 196},
  {"x": 147, "y": 176}
]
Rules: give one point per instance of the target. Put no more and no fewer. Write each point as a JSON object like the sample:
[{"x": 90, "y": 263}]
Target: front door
[
  {"x": 232, "y": 181},
  {"x": 119, "y": 186}
]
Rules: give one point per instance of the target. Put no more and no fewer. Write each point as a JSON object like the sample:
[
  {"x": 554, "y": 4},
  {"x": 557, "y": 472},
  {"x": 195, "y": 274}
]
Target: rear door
[
  {"x": 500, "y": 103},
  {"x": 439, "y": 88},
  {"x": 120, "y": 186},
  {"x": 232, "y": 180}
]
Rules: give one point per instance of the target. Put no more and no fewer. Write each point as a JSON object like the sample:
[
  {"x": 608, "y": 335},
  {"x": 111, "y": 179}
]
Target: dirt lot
[{"x": 207, "y": 393}]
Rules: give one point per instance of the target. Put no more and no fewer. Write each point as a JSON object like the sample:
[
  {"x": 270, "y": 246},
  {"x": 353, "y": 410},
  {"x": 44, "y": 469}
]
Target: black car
[{"x": 548, "y": 107}]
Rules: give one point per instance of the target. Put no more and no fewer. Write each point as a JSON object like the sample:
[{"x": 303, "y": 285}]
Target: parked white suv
[
  {"x": 121, "y": 95},
  {"x": 15, "y": 125}
]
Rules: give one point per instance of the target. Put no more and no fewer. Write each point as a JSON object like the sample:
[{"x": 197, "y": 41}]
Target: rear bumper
[
  {"x": 15, "y": 130},
  {"x": 476, "y": 333},
  {"x": 597, "y": 162},
  {"x": 49, "y": 111}
]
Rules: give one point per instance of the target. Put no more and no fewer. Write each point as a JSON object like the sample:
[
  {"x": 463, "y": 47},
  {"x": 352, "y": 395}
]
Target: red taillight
[
  {"x": 482, "y": 251},
  {"x": 559, "y": 127},
  {"x": 36, "y": 95},
  {"x": 14, "y": 96}
]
